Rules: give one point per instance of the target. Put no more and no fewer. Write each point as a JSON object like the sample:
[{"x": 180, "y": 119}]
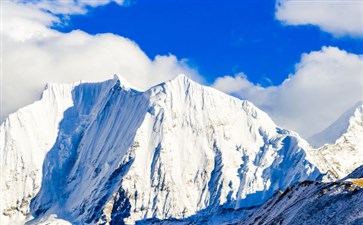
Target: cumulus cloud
[
  {"x": 34, "y": 54},
  {"x": 336, "y": 17},
  {"x": 325, "y": 84},
  {"x": 234, "y": 84}
]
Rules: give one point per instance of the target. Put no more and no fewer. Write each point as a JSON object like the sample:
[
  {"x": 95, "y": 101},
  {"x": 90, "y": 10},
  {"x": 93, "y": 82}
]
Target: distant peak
[{"x": 339, "y": 127}]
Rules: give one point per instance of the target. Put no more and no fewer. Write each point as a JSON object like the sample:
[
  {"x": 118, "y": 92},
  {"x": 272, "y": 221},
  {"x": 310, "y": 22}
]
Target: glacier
[{"x": 107, "y": 153}]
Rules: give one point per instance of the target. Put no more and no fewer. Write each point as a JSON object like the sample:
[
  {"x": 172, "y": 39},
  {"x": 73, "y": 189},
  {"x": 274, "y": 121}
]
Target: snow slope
[{"x": 25, "y": 138}]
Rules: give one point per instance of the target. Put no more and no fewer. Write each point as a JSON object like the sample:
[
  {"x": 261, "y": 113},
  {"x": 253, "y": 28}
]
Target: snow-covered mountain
[
  {"x": 341, "y": 126},
  {"x": 102, "y": 153},
  {"x": 346, "y": 154}
]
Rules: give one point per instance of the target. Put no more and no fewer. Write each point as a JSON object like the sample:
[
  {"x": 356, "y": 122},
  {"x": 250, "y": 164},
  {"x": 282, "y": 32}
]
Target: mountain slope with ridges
[
  {"x": 26, "y": 137},
  {"x": 115, "y": 154}
]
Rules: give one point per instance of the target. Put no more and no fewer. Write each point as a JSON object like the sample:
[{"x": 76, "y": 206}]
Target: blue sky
[
  {"x": 217, "y": 37},
  {"x": 299, "y": 61}
]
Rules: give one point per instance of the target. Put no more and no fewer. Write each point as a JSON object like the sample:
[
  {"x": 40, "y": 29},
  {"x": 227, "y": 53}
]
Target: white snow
[{"x": 25, "y": 138}]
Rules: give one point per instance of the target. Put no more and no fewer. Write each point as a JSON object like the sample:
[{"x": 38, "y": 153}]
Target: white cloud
[
  {"x": 233, "y": 84},
  {"x": 336, "y": 17},
  {"x": 324, "y": 85},
  {"x": 34, "y": 54},
  {"x": 66, "y": 7}
]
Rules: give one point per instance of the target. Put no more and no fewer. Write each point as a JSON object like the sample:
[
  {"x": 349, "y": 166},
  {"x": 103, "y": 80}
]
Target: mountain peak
[
  {"x": 180, "y": 79},
  {"x": 332, "y": 133},
  {"x": 341, "y": 143},
  {"x": 124, "y": 84}
]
